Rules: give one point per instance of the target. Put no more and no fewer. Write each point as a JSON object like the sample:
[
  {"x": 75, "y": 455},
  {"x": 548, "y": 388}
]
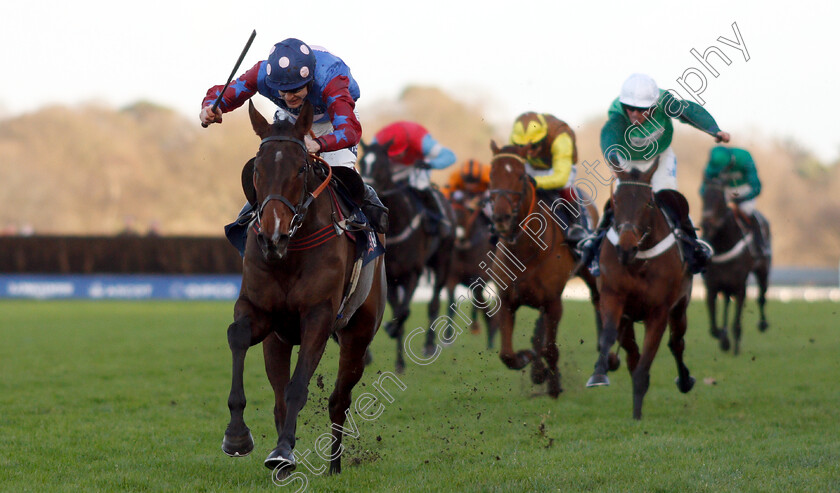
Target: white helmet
[{"x": 639, "y": 90}]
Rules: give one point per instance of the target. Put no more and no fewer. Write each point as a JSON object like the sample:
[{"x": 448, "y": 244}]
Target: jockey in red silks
[
  {"x": 293, "y": 73},
  {"x": 414, "y": 153}
]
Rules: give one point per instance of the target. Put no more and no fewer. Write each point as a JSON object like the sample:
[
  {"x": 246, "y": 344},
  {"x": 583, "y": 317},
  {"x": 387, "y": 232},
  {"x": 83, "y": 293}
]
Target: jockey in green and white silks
[
  {"x": 736, "y": 170},
  {"x": 639, "y": 130}
]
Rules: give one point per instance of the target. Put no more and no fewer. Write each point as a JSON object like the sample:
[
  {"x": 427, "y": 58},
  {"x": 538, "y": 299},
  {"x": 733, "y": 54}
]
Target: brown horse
[
  {"x": 472, "y": 244},
  {"x": 411, "y": 249},
  {"x": 643, "y": 279},
  {"x": 736, "y": 256},
  {"x": 531, "y": 269},
  {"x": 301, "y": 284}
]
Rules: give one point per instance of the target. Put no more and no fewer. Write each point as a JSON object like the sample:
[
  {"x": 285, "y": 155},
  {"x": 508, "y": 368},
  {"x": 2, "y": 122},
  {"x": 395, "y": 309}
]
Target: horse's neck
[
  {"x": 729, "y": 233},
  {"x": 660, "y": 229},
  {"x": 400, "y": 207},
  {"x": 524, "y": 245}
]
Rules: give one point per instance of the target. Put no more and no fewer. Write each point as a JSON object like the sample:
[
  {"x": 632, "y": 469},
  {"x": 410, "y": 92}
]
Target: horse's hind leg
[
  {"x": 595, "y": 297},
  {"x": 315, "y": 333},
  {"x": 761, "y": 275},
  {"x": 277, "y": 355},
  {"x": 350, "y": 369},
  {"x": 676, "y": 343},
  {"x": 248, "y": 329}
]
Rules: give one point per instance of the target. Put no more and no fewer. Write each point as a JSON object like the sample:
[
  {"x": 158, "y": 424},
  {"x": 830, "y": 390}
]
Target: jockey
[
  {"x": 639, "y": 130},
  {"x": 413, "y": 153},
  {"x": 293, "y": 73},
  {"x": 550, "y": 156},
  {"x": 470, "y": 180},
  {"x": 736, "y": 168}
]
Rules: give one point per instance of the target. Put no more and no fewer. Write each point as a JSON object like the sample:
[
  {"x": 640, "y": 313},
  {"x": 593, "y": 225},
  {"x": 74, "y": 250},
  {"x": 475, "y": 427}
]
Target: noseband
[{"x": 299, "y": 211}]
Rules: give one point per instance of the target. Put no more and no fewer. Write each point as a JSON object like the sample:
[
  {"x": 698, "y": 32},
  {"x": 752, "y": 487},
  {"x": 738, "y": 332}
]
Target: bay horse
[
  {"x": 301, "y": 285},
  {"x": 472, "y": 244},
  {"x": 410, "y": 250},
  {"x": 531, "y": 270},
  {"x": 643, "y": 279},
  {"x": 736, "y": 256}
]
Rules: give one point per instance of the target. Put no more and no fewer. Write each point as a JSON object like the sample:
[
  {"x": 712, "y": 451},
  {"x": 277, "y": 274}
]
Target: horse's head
[
  {"x": 376, "y": 166},
  {"x": 509, "y": 187},
  {"x": 634, "y": 205},
  {"x": 714, "y": 206},
  {"x": 281, "y": 169}
]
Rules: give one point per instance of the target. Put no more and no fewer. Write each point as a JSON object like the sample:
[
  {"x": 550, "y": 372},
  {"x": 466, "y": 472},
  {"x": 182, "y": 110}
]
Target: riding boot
[
  {"x": 591, "y": 245},
  {"x": 436, "y": 222},
  {"x": 574, "y": 234},
  {"x": 699, "y": 253},
  {"x": 758, "y": 235},
  {"x": 237, "y": 231},
  {"x": 376, "y": 213}
]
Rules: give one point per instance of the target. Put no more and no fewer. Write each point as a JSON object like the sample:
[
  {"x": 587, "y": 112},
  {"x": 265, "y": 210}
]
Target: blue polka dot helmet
[{"x": 290, "y": 65}]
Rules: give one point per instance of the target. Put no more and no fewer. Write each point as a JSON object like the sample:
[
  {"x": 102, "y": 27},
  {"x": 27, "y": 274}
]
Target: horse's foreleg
[
  {"x": 538, "y": 369},
  {"x": 248, "y": 329},
  {"x": 277, "y": 355},
  {"x": 711, "y": 306},
  {"x": 723, "y": 333},
  {"x": 678, "y": 321},
  {"x": 736, "y": 322},
  {"x": 514, "y": 361},
  {"x": 314, "y": 330},
  {"x": 550, "y": 351},
  {"x": 595, "y": 297},
  {"x": 611, "y": 311},
  {"x": 762, "y": 274},
  {"x": 654, "y": 330}
]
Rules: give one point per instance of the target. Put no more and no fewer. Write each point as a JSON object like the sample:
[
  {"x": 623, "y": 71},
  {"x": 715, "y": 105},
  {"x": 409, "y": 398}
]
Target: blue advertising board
[{"x": 121, "y": 287}]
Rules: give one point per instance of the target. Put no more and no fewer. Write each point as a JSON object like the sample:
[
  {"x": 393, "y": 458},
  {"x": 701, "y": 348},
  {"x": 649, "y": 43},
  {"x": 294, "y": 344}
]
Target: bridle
[
  {"x": 306, "y": 198},
  {"x": 513, "y": 197}
]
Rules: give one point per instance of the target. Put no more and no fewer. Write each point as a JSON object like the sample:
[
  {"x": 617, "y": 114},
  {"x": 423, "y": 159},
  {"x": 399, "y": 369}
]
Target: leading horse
[
  {"x": 736, "y": 256},
  {"x": 411, "y": 249},
  {"x": 532, "y": 269},
  {"x": 643, "y": 279},
  {"x": 301, "y": 285}
]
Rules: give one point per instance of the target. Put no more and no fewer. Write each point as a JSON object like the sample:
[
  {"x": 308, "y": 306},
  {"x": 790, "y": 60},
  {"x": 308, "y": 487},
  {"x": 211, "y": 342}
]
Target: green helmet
[{"x": 719, "y": 158}]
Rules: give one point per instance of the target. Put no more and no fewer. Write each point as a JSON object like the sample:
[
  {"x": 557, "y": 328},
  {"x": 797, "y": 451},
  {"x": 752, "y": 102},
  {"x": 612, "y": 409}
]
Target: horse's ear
[
  {"x": 248, "y": 181},
  {"x": 304, "y": 120},
  {"x": 362, "y": 145},
  {"x": 387, "y": 145},
  {"x": 648, "y": 175},
  {"x": 258, "y": 122},
  {"x": 494, "y": 147}
]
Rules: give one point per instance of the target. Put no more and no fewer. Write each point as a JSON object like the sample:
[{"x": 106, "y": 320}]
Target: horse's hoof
[
  {"x": 597, "y": 380},
  {"x": 238, "y": 446},
  {"x": 475, "y": 328},
  {"x": 762, "y": 325},
  {"x": 687, "y": 386},
  {"x": 399, "y": 368},
  {"x": 724, "y": 344},
  {"x": 715, "y": 334},
  {"x": 538, "y": 374},
  {"x": 277, "y": 462},
  {"x": 392, "y": 330},
  {"x": 554, "y": 387},
  {"x": 613, "y": 362},
  {"x": 429, "y": 350}
]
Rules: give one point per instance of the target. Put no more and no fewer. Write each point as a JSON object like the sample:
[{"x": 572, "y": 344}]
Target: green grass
[{"x": 133, "y": 397}]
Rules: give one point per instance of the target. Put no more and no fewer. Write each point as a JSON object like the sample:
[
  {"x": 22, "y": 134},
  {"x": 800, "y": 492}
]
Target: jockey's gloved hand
[{"x": 420, "y": 164}]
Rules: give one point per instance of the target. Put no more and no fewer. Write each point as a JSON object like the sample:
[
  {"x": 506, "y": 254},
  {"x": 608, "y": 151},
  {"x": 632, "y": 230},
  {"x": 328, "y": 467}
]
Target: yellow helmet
[{"x": 529, "y": 128}]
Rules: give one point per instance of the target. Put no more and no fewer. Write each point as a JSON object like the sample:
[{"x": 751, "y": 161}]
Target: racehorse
[
  {"x": 537, "y": 266},
  {"x": 472, "y": 244},
  {"x": 736, "y": 256},
  {"x": 643, "y": 279},
  {"x": 301, "y": 285},
  {"x": 410, "y": 249}
]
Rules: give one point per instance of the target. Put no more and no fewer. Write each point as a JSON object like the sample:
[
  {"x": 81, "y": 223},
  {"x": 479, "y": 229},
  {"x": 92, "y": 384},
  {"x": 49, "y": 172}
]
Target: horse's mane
[
  {"x": 509, "y": 149},
  {"x": 282, "y": 125}
]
